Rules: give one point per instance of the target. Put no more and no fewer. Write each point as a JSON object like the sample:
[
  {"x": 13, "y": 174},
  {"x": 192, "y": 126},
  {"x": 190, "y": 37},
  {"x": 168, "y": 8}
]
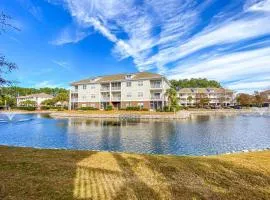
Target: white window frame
[
  {"x": 140, "y": 94},
  {"x": 140, "y": 83},
  {"x": 129, "y": 84}
]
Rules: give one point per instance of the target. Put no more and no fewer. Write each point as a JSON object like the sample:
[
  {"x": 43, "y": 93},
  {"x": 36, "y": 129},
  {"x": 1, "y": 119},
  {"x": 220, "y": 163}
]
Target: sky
[{"x": 61, "y": 41}]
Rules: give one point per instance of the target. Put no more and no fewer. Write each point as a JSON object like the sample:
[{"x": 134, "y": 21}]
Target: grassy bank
[{"x": 59, "y": 174}]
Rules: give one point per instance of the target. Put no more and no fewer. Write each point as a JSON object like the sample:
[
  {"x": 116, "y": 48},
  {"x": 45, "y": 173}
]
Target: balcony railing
[
  {"x": 105, "y": 98},
  {"x": 105, "y": 89},
  {"x": 156, "y": 86},
  {"x": 116, "y": 98},
  {"x": 74, "y": 91},
  {"x": 74, "y": 99},
  {"x": 156, "y": 97},
  {"x": 116, "y": 88}
]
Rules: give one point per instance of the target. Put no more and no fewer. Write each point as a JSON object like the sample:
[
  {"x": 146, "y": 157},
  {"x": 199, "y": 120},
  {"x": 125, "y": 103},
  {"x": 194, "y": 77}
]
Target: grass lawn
[{"x": 27, "y": 173}]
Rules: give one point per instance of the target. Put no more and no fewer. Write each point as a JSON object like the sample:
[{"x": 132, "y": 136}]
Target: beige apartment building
[
  {"x": 216, "y": 96},
  {"x": 143, "y": 89},
  {"x": 38, "y": 98}
]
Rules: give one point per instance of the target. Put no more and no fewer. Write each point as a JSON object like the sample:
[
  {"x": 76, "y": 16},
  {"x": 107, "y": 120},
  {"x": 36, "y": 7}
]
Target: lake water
[{"x": 201, "y": 135}]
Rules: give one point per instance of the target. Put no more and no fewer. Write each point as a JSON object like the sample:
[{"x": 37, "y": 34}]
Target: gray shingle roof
[{"x": 39, "y": 95}]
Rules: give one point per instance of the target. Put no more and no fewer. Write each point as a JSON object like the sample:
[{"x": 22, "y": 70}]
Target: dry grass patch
[{"x": 59, "y": 174}]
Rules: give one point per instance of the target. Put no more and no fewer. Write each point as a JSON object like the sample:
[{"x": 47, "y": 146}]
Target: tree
[
  {"x": 28, "y": 103},
  {"x": 189, "y": 99},
  {"x": 244, "y": 99},
  {"x": 49, "y": 102},
  {"x": 62, "y": 97},
  {"x": 5, "y": 65},
  {"x": 172, "y": 98},
  {"x": 194, "y": 83},
  {"x": 259, "y": 99}
]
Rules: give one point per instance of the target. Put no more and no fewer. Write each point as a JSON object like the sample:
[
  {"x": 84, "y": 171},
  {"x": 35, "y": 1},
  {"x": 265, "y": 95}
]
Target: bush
[
  {"x": 134, "y": 108},
  {"x": 87, "y": 108},
  {"x": 28, "y": 108},
  {"x": 45, "y": 107},
  {"x": 144, "y": 109},
  {"x": 109, "y": 107}
]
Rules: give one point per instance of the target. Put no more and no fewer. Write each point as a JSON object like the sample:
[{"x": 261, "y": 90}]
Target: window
[
  {"x": 92, "y": 86},
  {"x": 128, "y": 84},
  {"x": 140, "y": 83},
  {"x": 76, "y": 87},
  {"x": 93, "y": 96},
  {"x": 92, "y": 105},
  {"x": 128, "y": 76},
  {"x": 83, "y": 105},
  {"x": 140, "y": 94},
  {"x": 84, "y": 87},
  {"x": 83, "y": 97},
  {"x": 129, "y": 94}
]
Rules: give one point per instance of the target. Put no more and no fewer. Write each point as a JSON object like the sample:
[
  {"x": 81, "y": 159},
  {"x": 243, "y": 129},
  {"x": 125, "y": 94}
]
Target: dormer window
[{"x": 128, "y": 76}]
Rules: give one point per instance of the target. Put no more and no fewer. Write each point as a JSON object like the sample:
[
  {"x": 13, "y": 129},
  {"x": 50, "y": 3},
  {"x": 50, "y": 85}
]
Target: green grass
[{"x": 27, "y": 173}]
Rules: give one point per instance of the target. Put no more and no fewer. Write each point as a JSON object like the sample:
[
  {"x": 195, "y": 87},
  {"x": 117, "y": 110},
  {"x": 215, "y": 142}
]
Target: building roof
[
  {"x": 266, "y": 92},
  {"x": 204, "y": 90},
  {"x": 39, "y": 95},
  {"x": 118, "y": 77}
]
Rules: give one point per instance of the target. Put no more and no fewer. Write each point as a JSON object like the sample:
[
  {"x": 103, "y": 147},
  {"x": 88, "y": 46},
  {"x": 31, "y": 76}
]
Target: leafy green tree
[
  {"x": 195, "y": 83},
  {"x": 62, "y": 97},
  {"x": 49, "y": 102},
  {"x": 28, "y": 103},
  {"x": 172, "y": 98},
  {"x": 189, "y": 99}
]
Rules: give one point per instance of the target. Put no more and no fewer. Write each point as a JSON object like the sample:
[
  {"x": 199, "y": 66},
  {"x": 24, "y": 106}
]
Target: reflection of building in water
[{"x": 119, "y": 135}]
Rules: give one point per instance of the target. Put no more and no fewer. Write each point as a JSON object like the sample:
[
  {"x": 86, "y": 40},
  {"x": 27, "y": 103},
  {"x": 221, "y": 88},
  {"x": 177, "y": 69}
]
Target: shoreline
[{"x": 136, "y": 153}]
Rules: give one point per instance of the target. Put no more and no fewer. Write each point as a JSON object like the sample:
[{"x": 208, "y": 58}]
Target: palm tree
[{"x": 172, "y": 97}]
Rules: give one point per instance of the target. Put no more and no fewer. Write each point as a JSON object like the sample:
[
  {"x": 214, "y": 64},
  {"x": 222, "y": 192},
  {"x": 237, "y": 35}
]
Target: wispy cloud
[
  {"x": 33, "y": 9},
  {"x": 47, "y": 83},
  {"x": 62, "y": 64},
  {"x": 174, "y": 37},
  {"x": 70, "y": 35}
]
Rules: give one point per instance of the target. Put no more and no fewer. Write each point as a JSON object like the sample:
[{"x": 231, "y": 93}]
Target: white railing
[
  {"x": 74, "y": 99},
  {"x": 105, "y": 89},
  {"x": 156, "y": 97},
  {"x": 155, "y": 85},
  {"x": 74, "y": 91},
  {"x": 105, "y": 98},
  {"x": 116, "y": 98},
  {"x": 116, "y": 88}
]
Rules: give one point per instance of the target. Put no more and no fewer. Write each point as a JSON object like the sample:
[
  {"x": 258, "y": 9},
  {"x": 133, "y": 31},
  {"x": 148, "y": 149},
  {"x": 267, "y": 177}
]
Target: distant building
[
  {"x": 216, "y": 96},
  {"x": 38, "y": 98},
  {"x": 142, "y": 89},
  {"x": 266, "y": 94}
]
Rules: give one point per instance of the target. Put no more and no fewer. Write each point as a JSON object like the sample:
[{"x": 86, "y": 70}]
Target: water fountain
[
  {"x": 261, "y": 111},
  {"x": 10, "y": 117}
]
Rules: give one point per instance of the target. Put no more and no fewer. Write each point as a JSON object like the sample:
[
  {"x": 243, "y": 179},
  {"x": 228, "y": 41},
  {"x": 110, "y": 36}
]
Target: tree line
[
  {"x": 194, "y": 83},
  {"x": 256, "y": 99}
]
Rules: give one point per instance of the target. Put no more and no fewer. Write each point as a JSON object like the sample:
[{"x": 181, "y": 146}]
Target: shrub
[
  {"x": 28, "y": 108},
  {"x": 109, "y": 107},
  {"x": 87, "y": 108},
  {"x": 45, "y": 107},
  {"x": 134, "y": 108},
  {"x": 144, "y": 109}
]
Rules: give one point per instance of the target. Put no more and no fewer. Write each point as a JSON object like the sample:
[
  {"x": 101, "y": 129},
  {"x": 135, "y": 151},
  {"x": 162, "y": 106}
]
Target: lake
[{"x": 200, "y": 135}]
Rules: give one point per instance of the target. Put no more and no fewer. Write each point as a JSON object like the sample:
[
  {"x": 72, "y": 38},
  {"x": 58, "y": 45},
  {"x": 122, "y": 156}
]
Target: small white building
[{"x": 38, "y": 98}]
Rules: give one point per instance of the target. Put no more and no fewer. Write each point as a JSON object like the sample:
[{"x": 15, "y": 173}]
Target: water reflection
[{"x": 201, "y": 135}]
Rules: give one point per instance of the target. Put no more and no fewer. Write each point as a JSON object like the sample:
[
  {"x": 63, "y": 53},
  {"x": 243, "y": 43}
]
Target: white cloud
[
  {"x": 47, "y": 84},
  {"x": 62, "y": 64},
  {"x": 163, "y": 35}
]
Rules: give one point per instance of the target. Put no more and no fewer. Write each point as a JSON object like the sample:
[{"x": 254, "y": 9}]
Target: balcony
[
  {"x": 105, "y": 99},
  {"x": 116, "y": 88},
  {"x": 74, "y": 99},
  {"x": 156, "y": 98},
  {"x": 74, "y": 91},
  {"x": 156, "y": 86},
  {"x": 116, "y": 98},
  {"x": 105, "y": 89}
]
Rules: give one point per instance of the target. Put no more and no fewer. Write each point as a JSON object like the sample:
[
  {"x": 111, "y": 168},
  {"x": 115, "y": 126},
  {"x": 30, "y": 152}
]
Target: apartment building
[
  {"x": 216, "y": 96},
  {"x": 38, "y": 98},
  {"x": 142, "y": 89}
]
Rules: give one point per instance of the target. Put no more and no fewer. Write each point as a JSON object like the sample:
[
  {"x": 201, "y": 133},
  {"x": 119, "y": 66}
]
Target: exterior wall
[
  {"x": 215, "y": 98},
  {"x": 140, "y": 91},
  {"x": 38, "y": 100},
  {"x": 89, "y": 104}
]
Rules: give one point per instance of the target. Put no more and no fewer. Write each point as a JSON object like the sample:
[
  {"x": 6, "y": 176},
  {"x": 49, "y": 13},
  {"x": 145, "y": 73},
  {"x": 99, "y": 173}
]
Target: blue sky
[{"x": 65, "y": 40}]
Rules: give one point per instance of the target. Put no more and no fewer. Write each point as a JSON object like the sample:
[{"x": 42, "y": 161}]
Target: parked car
[{"x": 237, "y": 107}]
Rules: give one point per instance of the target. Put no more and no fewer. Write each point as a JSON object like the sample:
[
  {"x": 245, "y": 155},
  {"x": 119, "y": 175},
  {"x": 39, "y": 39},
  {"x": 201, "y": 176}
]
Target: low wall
[{"x": 180, "y": 115}]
